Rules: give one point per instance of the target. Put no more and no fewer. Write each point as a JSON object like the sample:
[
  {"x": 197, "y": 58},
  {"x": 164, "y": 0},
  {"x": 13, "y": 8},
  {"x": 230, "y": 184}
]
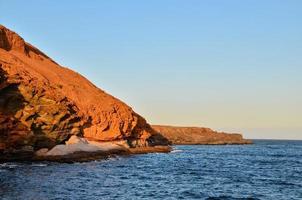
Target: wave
[
  {"x": 231, "y": 198},
  {"x": 176, "y": 151},
  {"x": 9, "y": 165},
  {"x": 39, "y": 165}
]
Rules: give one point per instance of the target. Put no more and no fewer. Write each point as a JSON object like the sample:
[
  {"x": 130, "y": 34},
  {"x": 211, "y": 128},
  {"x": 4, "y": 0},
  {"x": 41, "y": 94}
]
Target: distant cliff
[{"x": 197, "y": 135}]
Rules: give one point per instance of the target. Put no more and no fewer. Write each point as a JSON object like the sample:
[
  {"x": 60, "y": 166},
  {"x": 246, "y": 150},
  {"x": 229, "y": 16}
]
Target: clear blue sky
[{"x": 230, "y": 65}]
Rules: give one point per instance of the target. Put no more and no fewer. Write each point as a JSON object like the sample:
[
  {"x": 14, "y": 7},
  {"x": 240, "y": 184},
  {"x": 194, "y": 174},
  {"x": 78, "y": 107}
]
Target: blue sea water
[{"x": 264, "y": 170}]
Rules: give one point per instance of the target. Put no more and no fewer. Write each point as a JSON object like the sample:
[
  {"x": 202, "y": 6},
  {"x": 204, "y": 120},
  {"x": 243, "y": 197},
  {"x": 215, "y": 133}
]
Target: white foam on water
[
  {"x": 39, "y": 165},
  {"x": 176, "y": 151},
  {"x": 9, "y": 165},
  {"x": 114, "y": 158},
  {"x": 110, "y": 159}
]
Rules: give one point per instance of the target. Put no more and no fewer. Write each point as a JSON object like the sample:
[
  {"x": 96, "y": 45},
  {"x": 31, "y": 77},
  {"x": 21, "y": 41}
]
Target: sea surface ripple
[{"x": 264, "y": 170}]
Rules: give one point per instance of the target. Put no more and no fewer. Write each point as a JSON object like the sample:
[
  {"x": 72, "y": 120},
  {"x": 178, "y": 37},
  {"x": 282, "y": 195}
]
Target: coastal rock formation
[
  {"x": 76, "y": 144},
  {"x": 43, "y": 104},
  {"x": 197, "y": 135}
]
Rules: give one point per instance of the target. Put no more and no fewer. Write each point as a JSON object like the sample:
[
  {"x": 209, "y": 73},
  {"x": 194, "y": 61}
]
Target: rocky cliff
[
  {"x": 197, "y": 135},
  {"x": 43, "y": 104}
]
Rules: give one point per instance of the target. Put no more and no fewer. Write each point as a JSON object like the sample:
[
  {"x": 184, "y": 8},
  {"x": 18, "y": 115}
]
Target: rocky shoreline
[
  {"x": 99, "y": 155},
  {"x": 78, "y": 149}
]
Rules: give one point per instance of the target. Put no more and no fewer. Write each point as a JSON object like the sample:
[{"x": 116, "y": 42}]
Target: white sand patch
[{"x": 77, "y": 144}]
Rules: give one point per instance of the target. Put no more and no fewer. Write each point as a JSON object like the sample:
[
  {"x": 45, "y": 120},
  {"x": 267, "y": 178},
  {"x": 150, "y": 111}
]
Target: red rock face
[
  {"x": 43, "y": 103},
  {"x": 198, "y": 135},
  {"x": 11, "y": 41}
]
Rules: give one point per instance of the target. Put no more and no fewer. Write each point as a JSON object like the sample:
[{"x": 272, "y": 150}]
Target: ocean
[{"x": 268, "y": 169}]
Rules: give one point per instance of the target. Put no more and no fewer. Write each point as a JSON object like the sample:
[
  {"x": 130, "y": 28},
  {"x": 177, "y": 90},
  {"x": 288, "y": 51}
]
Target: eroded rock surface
[{"x": 43, "y": 104}]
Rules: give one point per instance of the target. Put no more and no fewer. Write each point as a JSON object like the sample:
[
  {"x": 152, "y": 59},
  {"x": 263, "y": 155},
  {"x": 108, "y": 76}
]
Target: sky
[{"x": 229, "y": 65}]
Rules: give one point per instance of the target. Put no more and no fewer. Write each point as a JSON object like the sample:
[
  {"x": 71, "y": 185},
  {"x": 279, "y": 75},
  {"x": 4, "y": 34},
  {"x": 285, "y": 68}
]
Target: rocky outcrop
[
  {"x": 82, "y": 149},
  {"x": 43, "y": 104},
  {"x": 197, "y": 135}
]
